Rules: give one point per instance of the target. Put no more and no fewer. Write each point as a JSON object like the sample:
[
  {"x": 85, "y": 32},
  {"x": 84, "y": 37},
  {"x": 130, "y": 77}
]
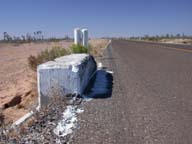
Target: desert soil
[
  {"x": 18, "y": 81},
  {"x": 177, "y": 41}
]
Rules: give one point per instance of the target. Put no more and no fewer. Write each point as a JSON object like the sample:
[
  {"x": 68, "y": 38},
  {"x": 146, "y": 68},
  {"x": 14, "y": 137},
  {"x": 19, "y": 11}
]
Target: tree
[
  {"x": 38, "y": 35},
  {"x": 7, "y": 37},
  {"x": 167, "y": 35},
  {"x": 23, "y": 38},
  {"x": 29, "y": 37},
  {"x": 183, "y": 35},
  {"x": 178, "y": 35},
  {"x": 66, "y": 37}
]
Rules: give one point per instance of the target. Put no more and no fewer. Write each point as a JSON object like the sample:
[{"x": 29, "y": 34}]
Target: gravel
[{"x": 39, "y": 129}]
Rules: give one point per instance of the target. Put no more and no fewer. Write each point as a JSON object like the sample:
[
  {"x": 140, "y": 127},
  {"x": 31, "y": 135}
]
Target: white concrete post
[
  {"x": 85, "y": 37},
  {"x": 77, "y": 36}
]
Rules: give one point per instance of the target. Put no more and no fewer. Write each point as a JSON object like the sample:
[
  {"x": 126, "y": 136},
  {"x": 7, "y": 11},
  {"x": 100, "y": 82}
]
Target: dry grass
[
  {"x": 48, "y": 113},
  {"x": 97, "y": 47},
  {"x": 17, "y": 78},
  {"x": 177, "y": 41},
  {"x": 46, "y": 55}
]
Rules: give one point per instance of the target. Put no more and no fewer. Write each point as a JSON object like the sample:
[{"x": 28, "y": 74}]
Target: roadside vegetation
[
  {"x": 46, "y": 55},
  {"x": 158, "y": 37},
  {"x": 161, "y": 37},
  {"x": 54, "y": 52},
  {"x": 28, "y": 94},
  {"x": 41, "y": 124},
  {"x": 167, "y": 38},
  {"x": 79, "y": 49}
]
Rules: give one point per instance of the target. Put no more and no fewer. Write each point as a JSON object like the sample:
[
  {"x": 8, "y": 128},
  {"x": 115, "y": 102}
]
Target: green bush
[
  {"x": 78, "y": 49},
  {"x": 46, "y": 55}
]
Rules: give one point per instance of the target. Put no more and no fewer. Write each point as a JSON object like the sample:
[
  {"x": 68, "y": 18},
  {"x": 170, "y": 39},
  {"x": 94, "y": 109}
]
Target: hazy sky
[{"x": 101, "y": 17}]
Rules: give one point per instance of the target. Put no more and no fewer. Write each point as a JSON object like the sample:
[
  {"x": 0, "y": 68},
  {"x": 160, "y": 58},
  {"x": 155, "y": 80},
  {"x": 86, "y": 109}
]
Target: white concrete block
[{"x": 66, "y": 75}]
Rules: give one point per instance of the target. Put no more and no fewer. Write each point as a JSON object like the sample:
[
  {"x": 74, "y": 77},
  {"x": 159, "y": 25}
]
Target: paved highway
[{"x": 151, "y": 101}]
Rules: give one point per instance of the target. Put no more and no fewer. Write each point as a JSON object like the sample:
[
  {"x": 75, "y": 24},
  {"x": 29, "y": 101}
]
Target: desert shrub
[
  {"x": 78, "y": 49},
  {"x": 46, "y": 55}
]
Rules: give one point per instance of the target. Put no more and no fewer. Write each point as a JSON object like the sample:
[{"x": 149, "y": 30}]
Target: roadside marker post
[
  {"x": 77, "y": 36},
  {"x": 81, "y": 37},
  {"x": 85, "y": 37}
]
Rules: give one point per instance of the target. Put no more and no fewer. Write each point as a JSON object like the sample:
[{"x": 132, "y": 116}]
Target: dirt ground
[
  {"x": 18, "y": 92},
  {"x": 177, "y": 41},
  {"x": 17, "y": 80},
  {"x": 97, "y": 47}
]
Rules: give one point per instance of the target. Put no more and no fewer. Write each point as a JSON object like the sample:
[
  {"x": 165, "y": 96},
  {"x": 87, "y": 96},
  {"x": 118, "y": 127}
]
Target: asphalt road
[{"x": 151, "y": 101}]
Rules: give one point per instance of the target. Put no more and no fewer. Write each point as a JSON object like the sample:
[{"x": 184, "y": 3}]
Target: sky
[{"x": 111, "y": 18}]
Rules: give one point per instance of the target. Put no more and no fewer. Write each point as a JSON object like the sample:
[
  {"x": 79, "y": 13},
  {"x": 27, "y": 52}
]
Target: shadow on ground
[{"x": 100, "y": 85}]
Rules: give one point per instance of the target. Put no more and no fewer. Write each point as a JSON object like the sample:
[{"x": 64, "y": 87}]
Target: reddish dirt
[{"x": 17, "y": 79}]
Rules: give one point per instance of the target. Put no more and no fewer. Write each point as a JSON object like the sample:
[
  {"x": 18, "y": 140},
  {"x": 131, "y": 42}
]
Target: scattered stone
[{"x": 41, "y": 126}]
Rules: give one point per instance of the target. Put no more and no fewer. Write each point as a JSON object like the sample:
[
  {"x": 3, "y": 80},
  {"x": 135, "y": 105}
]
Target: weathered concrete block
[{"x": 66, "y": 75}]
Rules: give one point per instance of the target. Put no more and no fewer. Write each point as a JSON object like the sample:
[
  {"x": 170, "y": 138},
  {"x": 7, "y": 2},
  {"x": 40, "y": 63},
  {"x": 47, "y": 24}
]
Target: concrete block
[{"x": 66, "y": 75}]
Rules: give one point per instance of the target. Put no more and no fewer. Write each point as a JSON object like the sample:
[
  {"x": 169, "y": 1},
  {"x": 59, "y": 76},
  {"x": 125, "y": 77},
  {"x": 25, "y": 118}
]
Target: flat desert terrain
[
  {"x": 17, "y": 80},
  {"x": 177, "y": 41},
  {"x": 18, "y": 87}
]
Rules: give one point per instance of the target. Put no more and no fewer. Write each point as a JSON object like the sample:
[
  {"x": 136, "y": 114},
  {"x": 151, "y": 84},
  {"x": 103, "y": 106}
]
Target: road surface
[{"x": 151, "y": 101}]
